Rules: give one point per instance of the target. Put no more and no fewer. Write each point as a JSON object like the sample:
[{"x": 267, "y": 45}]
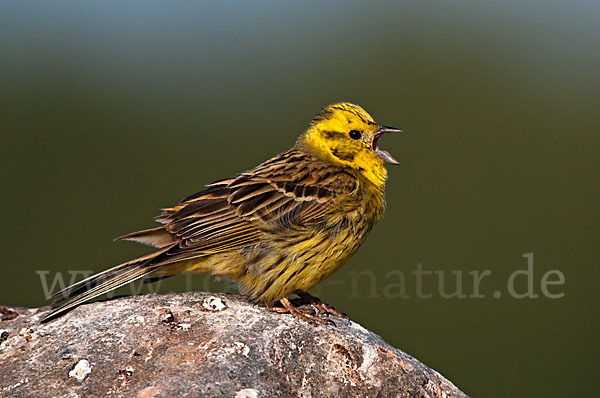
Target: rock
[{"x": 201, "y": 345}]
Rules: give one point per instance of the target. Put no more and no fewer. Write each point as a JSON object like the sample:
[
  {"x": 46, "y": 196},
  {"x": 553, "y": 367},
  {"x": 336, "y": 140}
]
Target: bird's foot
[
  {"x": 319, "y": 305},
  {"x": 289, "y": 308}
]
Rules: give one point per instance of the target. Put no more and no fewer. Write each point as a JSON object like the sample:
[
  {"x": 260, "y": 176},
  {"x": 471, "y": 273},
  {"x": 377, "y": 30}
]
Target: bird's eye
[{"x": 354, "y": 134}]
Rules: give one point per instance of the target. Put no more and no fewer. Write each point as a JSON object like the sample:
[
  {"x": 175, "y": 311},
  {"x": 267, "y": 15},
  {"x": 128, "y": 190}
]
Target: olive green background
[{"x": 111, "y": 110}]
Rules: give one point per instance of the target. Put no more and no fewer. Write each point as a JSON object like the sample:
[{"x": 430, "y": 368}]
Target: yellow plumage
[{"x": 277, "y": 229}]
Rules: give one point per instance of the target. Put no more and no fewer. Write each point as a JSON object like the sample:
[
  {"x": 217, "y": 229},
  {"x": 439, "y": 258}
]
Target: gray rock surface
[{"x": 200, "y": 345}]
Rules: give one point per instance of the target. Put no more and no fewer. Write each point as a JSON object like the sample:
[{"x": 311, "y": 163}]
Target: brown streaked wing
[{"x": 290, "y": 190}]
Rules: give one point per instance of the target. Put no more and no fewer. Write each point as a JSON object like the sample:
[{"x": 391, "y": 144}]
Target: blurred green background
[{"x": 110, "y": 110}]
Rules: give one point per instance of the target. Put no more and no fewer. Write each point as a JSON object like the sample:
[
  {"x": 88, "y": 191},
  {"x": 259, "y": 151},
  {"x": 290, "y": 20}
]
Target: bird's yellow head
[{"x": 346, "y": 134}]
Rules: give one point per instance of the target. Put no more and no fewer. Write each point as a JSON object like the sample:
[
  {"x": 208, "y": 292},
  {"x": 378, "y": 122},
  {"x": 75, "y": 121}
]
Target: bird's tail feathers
[{"x": 101, "y": 283}]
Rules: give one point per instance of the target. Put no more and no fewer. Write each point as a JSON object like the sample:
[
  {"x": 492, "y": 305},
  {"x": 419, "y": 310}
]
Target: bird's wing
[{"x": 289, "y": 191}]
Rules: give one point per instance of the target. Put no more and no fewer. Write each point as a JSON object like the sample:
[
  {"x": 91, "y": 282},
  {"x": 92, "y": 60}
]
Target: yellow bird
[{"x": 277, "y": 229}]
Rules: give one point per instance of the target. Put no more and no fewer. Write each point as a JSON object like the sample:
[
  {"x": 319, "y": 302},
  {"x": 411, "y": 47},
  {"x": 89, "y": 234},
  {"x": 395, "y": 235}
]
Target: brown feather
[{"x": 157, "y": 237}]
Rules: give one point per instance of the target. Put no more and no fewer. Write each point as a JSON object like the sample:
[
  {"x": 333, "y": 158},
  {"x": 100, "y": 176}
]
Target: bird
[{"x": 275, "y": 230}]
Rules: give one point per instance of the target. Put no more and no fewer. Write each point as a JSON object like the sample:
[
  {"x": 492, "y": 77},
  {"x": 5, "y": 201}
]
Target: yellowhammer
[{"x": 279, "y": 228}]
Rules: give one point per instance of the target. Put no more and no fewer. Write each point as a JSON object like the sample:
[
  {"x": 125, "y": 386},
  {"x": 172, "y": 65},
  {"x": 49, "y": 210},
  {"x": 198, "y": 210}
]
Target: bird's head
[{"x": 344, "y": 133}]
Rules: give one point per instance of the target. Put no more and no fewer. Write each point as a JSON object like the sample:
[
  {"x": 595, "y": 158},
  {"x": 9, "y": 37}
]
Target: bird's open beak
[{"x": 385, "y": 155}]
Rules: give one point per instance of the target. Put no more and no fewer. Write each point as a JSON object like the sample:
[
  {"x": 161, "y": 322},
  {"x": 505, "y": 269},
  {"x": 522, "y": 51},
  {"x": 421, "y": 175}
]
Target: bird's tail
[{"x": 103, "y": 282}]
